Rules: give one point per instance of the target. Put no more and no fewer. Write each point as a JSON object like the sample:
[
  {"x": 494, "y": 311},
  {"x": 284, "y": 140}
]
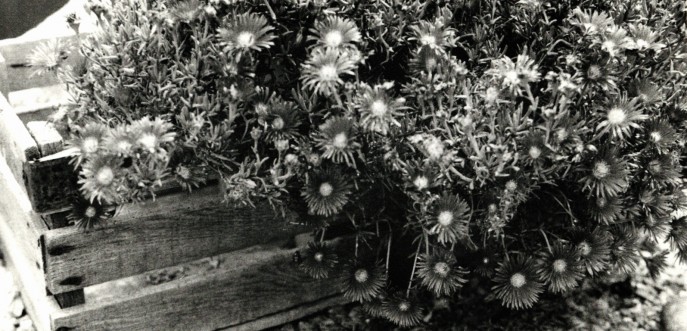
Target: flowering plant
[{"x": 528, "y": 142}]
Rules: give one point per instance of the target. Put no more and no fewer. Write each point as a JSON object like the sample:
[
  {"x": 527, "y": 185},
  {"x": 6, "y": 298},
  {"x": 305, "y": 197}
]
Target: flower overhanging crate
[{"x": 178, "y": 262}]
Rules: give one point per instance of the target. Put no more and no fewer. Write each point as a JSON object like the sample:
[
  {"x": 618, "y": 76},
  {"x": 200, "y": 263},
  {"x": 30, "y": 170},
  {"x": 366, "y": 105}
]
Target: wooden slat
[
  {"x": 24, "y": 223},
  {"x": 38, "y": 103},
  {"x": 48, "y": 140},
  {"x": 229, "y": 290},
  {"x": 170, "y": 230},
  {"x": 16, "y": 144},
  {"x": 50, "y": 183},
  {"x": 4, "y": 83},
  {"x": 19, "y": 75}
]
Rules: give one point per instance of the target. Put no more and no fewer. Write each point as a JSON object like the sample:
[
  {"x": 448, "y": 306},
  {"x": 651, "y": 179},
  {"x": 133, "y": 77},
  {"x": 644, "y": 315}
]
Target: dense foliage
[{"x": 531, "y": 142}]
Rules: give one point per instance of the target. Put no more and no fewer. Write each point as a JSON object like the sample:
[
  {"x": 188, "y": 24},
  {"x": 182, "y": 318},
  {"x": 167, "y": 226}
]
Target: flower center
[
  {"x": 441, "y": 268},
  {"x": 517, "y": 280},
  {"x": 511, "y": 78},
  {"x": 90, "y": 212},
  {"x": 278, "y": 123},
  {"x": 601, "y": 202},
  {"x": 421, "y": 182},
  {"x": 328, "y": 73},
  {"x": 585, "y": 248},
  {"x": 428, "y": 39},
  {"x": 319, "y": 257},
  {"x": 183, "y": 172},
  {"x": 245, "y": 39},
  {"x": 616, "y": 116},
  {"x": 534, "y": 152},
  {"x": 642, "y": 44},
  {"x": 601, "y": 169},
  {"x": 656, "y": 136},
  {"x": 561, "y": 134},
  {"x": 124, "y": 146},
  {"x": 333, "y": 38},
  {"x": 655, "y": 167},
  {"x": 511, "y": 185},
  {"x": 105, "y": 176},
  {"x": 340, "y": 141},
  {"x": 378, "y": 108},
  {"x": 559, "y": 265},
  {"x": 90, "y": 145},
  {"x": 361, "y": 275},
  {"x": 404, "y": 306},
  {"x": 445, "y": 218},
  {"x": 148, "y": 141},
  {"x": 594, "y": 72},
  {"x": 326, "y": 189}
]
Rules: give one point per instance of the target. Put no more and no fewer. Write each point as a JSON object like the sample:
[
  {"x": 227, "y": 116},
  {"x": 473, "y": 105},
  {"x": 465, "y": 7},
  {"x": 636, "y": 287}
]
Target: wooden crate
[{"x": 180, "y": 262}]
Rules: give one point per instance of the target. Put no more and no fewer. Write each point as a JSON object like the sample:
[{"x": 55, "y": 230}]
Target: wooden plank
[
  {"x": 170, "y": 230},
  {"x": 16, "y": 144},
  {"x": 42, "y": 100},
  {"x": 38, "y": 305},
  {"x": 50, "y": 184},
  {"x": 228, "y": 290},
  {"x": 20, "y": 75},
  {"x": 48, "y": 140},
  {"x": 4, "y": 83},
  {"x": 24, "y": 223}
]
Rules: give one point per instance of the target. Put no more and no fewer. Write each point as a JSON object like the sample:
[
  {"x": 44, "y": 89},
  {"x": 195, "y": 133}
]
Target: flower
[
  {"x": 656, "y": 263},
  {"x": 85, "y": 214},
  {"x": 677, "y": 237},
  {"x": 655, "y": 226},
  {"x": 186, "y": 11},
  {"x": 189, "y": 177},
  {"x": 620, "y": 118},
  {"x": 599, "y": 76},
  {"x": 375, "y": 307},
  {"x": 615, "y": 41},
  {"x": 152, "y": 134},
  {"x": 534, "y": 147},
  {"x": 434, "y": 36},
  {"x": 450, "y": 219},
  {"x": 624, "y": 250},
  {"x": 647, "y": 92},
  {"x": 337, "y": 140},
  {"x": 323, "y": 69},
  {"x": 425, "y": 60},
  {"x": 663, "y": 170},
  {"x": 326, "y": 191},
  {"x": 605, "y": 210},
  {"x": 283, "y": 120},
  {"x": 440, "y": 272},
  {"x": 560, "y": 268},
  {"x": 420, "y": 178},
  {"x": 335, "y": 32},
  {"x": 318, "y": 260},
  {"x": 517, "y": 284},
  {"x": 100, "y": 179},
  {"x": 244, "y": 32},
  {"x": 48, "y": 57},
  {"x": 88, "y": 141},
  {"x": 402, "y": 310},
  {"x": 660, "y": 134},
  {"x": 590, "y": 22},
  {"x": 120, "y": 141},
  {"x": 514, "y": 75},
  {"x": 594, "y": 249},
  {"x": 378, "y": 110},
  {"x": 606, "y": 174},
  {"x": 363, "y": 281},
  {"x": 643, "y": 38}
]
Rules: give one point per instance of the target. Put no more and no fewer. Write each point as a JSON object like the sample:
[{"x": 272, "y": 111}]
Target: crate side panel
[
  {"x": 172, "y": 229},
  {"x": 16, "y": 144},
  {"x": 226, "y": 291}
]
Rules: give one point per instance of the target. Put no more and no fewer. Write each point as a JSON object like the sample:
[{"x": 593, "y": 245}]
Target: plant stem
[
  {"x": 388, "y": 252},
  {"x": 547, "y": 240},
  {"x": 412, "y": 274}
]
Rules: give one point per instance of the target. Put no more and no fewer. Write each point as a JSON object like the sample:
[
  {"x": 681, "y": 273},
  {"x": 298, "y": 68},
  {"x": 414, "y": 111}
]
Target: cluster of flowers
[{"x": 529, "y": 142}]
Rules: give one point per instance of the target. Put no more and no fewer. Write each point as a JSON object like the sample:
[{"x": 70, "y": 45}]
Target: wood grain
[
  {"x": 48, "y": 140},
  {"x": 20, "y": 75},
  {"x": 4, "y": 83},
  {"x": 38, "y": 103},
  {"x": 16, "y": 144},
  {"x": 170, "y": 230},
  {"x": 228, "y": 290}
]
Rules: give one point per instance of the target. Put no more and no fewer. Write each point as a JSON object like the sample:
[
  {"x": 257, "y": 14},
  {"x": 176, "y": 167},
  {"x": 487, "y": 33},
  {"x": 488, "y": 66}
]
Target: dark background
[{"x": 19, "y": 16}]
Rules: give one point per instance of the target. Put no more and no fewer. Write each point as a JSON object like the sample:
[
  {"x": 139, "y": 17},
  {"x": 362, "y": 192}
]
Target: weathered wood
[
  {"x": 19, "y": 74},
  {"x": 24, "y": 223},
  {"x": 228, "y": 290},
  {"x": 50, "y": 184},
  {"x": 38, "y": 103},
  {"x": 71, "y": 298},
  {"x": 4, "y": 83},
  {"x": 48, "y": 140},
  {"x": 16, "y": 144},
  {"x": 38, "y": 305},
  {"x": 170, "y": 230}
]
